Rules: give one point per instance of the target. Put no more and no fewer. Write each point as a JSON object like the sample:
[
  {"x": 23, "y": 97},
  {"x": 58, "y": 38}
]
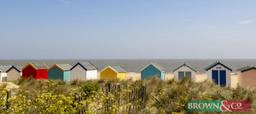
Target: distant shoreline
[{"x": 134, "y": 65}]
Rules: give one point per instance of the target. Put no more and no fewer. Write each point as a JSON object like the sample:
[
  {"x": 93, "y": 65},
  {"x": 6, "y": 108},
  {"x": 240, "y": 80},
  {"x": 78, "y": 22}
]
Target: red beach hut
[{"x": 37, "y": 71}]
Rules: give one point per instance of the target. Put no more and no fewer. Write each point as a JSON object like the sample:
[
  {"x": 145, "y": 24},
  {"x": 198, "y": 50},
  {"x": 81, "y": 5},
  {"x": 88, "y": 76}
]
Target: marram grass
[{"x": 123, "y": 97}]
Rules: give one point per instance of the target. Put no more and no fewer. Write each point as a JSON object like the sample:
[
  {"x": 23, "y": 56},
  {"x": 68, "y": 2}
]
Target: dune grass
[{"x": 146, "y": 96}]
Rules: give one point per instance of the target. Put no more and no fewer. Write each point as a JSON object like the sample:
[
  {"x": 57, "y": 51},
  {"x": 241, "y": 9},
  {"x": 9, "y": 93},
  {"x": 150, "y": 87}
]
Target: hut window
[
  {"x": 188, "y": 74},
  {"x": 183, "y": 74}
]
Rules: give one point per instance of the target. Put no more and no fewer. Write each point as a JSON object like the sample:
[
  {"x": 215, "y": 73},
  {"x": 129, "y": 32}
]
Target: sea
[{"x": 135, "y": 65}]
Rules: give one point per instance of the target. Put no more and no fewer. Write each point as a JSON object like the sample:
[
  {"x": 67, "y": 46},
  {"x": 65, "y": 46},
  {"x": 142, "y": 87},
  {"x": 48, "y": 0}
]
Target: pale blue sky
[{"x": 96, "y": 29}]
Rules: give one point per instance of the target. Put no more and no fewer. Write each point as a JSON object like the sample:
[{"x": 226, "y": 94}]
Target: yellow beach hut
[{"x": 112, "y": 73}]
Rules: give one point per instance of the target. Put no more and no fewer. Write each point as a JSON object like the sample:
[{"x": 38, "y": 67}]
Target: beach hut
[
  {"x": 153, "y": 70},
  {"x": 84, "y": 71},
  {"x": 112, "y": 73},
  {"x": 60, "y": 72},
  {"x": 247, "y": 77},
  {"x": 219, "y": 74},
  {"x": 14, "y": 73},
  {"x": 3, "y": 72},
  {"x": 36, "y": 71},
  {"x": 184, "y": 71}
]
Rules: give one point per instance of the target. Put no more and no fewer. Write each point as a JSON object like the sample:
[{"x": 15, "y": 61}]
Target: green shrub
[{"x": 89, "y": 88}]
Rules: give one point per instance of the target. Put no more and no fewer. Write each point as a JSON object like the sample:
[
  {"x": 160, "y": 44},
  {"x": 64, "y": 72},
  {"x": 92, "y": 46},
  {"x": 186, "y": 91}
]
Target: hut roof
[
  {"x": 37, "y": 65},
  {"x": 246, "y": 68},
  {"x": 16, "y": 67},
  {"x": 88, "y": 66},
  {"x": 158, "y": 66},
  {"x": 118, "y": 69},
  {"x": 64, "y": 67},
  {"x": 85, "y": 65},
  {"x": 4, "y": 68},
  {"x": 190, "y": 67},
  {"x": 40, "y": 66}
]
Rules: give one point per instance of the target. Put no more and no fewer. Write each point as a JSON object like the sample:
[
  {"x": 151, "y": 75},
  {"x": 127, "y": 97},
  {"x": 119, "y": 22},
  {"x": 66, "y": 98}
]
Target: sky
[{"x": 127, "y": 29}]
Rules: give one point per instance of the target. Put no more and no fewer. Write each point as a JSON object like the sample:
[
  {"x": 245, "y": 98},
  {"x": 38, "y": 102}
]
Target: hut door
[
  {"x": 215, "y": 76},
  {"x": 219, "y": 77},
  {"x": 222, "y": 78}
]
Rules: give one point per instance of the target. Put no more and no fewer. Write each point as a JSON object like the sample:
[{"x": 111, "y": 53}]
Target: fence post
[
  {"x": 8, "y": 95},
  {"x": 143, "y": 98}
]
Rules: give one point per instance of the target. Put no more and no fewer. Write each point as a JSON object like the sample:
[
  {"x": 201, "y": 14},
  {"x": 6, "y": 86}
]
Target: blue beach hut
[
  {"x": 60, "y": 72},
  {"x": 219, "y": 74},
  {"x": 153, "y": 70}
]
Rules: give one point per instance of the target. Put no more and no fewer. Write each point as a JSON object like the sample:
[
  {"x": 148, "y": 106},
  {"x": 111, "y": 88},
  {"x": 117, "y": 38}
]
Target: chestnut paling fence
[{"x": 128, "y": 101}]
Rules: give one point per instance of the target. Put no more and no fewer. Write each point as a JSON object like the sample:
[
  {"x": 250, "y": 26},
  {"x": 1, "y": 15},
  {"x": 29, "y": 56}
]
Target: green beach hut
[{"x": 60, "y": 72}]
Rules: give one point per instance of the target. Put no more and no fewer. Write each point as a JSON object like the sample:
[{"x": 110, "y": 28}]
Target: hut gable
[
  {"x": 84, "y": 71},
  {"x": 217, "y": 64},
  {"x": 13, "y": 73},
  {"x": 116, "y": 69},
  {"x": 37, "y": 71},
  {"x": 112, "y": 73},
  {"x": 29, "y": 71},
  {"x": 78, "y": 72}
]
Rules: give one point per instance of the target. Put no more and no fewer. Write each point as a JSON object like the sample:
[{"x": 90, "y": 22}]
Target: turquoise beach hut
[
  {"x": 60, "y": 72},
  {"x": 153, "y": 70}
]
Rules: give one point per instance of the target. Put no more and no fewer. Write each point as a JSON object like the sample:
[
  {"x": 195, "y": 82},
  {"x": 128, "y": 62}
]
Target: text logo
[{"x": 218, "y": 106}]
